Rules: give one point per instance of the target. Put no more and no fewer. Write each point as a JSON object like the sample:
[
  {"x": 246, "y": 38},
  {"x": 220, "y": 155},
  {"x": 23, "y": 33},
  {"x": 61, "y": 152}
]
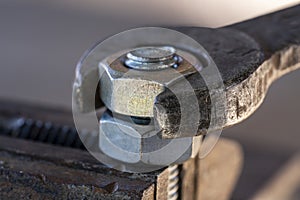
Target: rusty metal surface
[
  {"x": 248, "y": 62},
  {"x": 30, "y": 169},
  {"x": 37, "y": 123},
  {"x": 33, "y": 169},
  {"x": 236, "y": 55},
  {"x": 36, "y": 170},
  {"x": 55, "y": 170},
  {"x": 248, "y": 65}
]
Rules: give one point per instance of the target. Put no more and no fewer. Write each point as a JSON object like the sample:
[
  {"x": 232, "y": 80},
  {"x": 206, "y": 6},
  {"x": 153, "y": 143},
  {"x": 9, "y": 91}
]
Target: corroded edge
[
  {"x": 241, "y": 98},
  {"x": 244, "y": 98}
]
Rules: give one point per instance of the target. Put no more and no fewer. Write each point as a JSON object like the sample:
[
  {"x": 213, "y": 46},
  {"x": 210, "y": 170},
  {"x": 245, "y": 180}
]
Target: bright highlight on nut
[{"x": 152, "y": 58}]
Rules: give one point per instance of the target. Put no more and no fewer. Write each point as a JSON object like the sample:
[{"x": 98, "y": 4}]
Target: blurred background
[{"x": 41, "y": 42}]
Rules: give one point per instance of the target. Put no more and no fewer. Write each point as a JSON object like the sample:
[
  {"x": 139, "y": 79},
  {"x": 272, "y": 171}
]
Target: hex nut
[
  {"x": 132, "y": 92},
  {"x": 128, "y": 142}
]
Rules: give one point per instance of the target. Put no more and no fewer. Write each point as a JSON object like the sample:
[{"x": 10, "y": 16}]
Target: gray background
[{"x": 40, "y": 45}]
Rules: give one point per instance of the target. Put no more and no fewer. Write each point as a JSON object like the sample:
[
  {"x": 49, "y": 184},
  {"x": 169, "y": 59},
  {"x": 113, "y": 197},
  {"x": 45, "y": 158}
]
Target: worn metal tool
[
  {"x": 249, "y": 55},
  {"x": 46, "y": 171},
  {"x": 248, "y": 62}
]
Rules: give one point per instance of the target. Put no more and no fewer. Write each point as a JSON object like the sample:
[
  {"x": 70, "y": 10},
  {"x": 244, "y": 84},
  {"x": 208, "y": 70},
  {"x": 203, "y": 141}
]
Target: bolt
[
  {"x": 127, "y": 129},
  {"x": 173, "y": 182},
  {"x": 152, "y": 58}
]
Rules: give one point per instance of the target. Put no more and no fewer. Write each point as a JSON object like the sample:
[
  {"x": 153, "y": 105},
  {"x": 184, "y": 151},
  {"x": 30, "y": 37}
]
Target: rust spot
[
  {"x": 276, "y": 60},
  {"x": 112, "y": 187}
]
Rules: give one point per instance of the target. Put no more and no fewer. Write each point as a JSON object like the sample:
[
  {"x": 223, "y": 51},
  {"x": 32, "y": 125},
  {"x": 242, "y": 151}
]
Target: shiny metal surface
[
  {"x": 132, "y": 92},
  {"x": 152, "y": 58}
]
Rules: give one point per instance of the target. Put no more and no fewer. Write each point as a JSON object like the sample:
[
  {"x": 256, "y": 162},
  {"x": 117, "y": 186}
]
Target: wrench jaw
[
  {"x": 242, "y": 70},
  {"x": 175, "y": 122}
]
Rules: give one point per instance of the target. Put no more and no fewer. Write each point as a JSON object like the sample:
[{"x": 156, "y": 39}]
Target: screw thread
[{"x": 173, "y": 181}]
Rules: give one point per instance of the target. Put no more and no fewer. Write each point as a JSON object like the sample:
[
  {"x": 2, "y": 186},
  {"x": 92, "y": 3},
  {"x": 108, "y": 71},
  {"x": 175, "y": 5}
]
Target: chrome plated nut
[
  {"x": 126, "y": 141},
  {"x": 130, "y": 83}
]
